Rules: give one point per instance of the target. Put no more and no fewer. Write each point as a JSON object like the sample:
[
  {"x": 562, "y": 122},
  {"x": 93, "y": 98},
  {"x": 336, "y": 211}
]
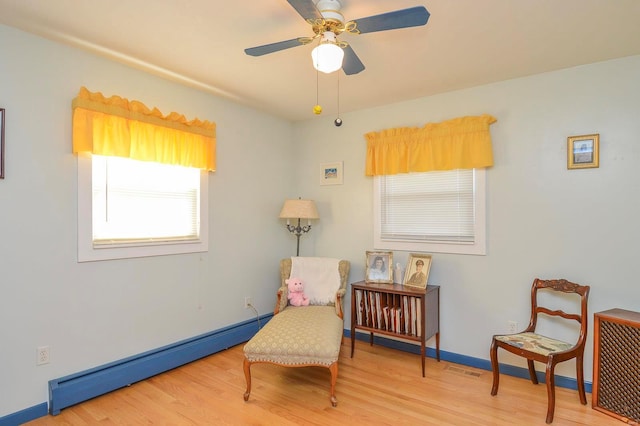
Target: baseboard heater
[{"x": 75, "y": 388}]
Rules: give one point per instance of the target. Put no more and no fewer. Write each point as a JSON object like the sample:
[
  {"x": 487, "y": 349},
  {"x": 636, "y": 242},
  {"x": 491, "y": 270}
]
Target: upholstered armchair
[{"x": 304, "y": 336}]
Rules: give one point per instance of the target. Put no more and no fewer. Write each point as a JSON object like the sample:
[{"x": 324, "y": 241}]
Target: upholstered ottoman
[{"x": 298, "y": 337}]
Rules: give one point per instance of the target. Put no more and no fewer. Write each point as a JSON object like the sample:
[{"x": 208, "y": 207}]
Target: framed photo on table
[
  {"x": 583, "y": 151},
  {"x": 417, "y": 272},
  {"x": 379, "y": 267}
]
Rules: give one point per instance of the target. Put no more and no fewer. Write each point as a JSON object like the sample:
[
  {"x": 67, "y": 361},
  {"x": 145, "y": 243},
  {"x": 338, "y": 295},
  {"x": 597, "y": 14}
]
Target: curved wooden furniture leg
[
  {"x": 580, "y": 379},
  {"x": 333, "y": 368},
  {"x": 551, "y": 392},
  {"x": 494, "y": 367},
  {"x": 532, "y": 372},
  {"x": 247, "y": 375}
]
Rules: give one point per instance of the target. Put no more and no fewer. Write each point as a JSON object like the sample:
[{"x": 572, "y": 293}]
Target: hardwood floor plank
[{"x": 379, "y": 386}]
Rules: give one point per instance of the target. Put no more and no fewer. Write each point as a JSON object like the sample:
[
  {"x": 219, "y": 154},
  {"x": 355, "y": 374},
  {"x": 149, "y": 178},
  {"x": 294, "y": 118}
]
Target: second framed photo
[
  {"x": 417, "y": 272},
  {"x": 583, "y": 151},
  {"x": 379, "y": 267}
]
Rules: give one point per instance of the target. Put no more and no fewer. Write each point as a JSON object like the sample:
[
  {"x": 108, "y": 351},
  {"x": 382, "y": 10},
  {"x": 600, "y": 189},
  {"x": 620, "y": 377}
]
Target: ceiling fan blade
[
  {"x": 351, "y": 64},
  {"x": 273, "y": 47},
  {"x": 412, "y": 17},
  {"x": 306, "y": 8}
]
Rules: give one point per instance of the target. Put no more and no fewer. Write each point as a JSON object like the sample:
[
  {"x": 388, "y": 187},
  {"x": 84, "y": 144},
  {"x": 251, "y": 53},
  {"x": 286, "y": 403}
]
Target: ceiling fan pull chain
[
  {"x": 338, "y": 120},
  {"x": 317, "y": 87},
  {"x": 338, "y": 74},
  {"x": 317, "y": 109}
]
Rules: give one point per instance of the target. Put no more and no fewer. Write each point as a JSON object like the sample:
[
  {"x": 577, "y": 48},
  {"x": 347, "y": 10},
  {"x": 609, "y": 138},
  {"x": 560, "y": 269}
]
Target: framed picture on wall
[
  {"x": 417, "y": 272},
  {"x": 379, "y": 267},
  {"x": 583, "y": 151},
  {"x": 1, "y": 143},
  {"x": 331, "y": 173}
]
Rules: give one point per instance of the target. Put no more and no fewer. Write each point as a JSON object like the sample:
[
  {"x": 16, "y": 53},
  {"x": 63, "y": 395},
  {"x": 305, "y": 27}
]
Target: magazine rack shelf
[{"x": 395, "y": 310}]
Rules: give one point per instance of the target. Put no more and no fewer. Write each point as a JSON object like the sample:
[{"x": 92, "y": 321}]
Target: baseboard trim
[
  {"x": 75, "y": 388},
  {"x": 24, "y": 416},
  {"x": 483, "y": 364}
]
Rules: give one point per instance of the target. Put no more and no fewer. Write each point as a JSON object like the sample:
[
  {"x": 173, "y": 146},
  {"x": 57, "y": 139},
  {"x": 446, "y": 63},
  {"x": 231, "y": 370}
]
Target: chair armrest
[
  {"x": 339, "y": 302},
  {"x": 281, "y": 301}
]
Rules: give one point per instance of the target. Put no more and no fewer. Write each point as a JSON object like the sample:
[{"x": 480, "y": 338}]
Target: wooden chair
[
  {"x": 304, "y": 336},
  {"x": 536, "y": 347}
]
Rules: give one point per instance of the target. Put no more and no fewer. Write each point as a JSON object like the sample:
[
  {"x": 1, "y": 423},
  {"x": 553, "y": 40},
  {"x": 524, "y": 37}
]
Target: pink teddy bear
[{"x": 296, "y": 294}]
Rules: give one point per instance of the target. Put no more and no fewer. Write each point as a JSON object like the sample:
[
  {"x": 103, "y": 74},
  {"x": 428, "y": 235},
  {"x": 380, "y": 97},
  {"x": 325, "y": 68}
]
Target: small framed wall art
[
  {"x": 583, "y": 152},
  {"x": 1, "y": 143},
  {"x": 331, "y": 173},
  {"x": 379, "y": 267}
]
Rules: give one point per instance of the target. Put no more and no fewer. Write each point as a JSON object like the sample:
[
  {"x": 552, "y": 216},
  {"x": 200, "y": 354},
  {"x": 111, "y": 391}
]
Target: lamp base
[{"x": 298, "y": 231}]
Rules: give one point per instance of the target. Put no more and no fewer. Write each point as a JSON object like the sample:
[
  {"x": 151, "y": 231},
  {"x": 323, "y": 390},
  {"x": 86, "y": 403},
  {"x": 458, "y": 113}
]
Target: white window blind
[
  {"x": 441, "y": 211},
  {"x": 137, "y": 201},
  {"x": 433, "y": 206}
]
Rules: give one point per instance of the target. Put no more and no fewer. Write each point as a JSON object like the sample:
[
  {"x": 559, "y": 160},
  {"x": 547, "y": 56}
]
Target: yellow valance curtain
[
  {"x": 461, "y": 143},
  {"x": 118, "y": 127}
]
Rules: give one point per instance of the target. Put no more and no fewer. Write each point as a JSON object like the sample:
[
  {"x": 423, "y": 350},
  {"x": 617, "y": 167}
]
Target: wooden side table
[{"x": 395, "y": 310}]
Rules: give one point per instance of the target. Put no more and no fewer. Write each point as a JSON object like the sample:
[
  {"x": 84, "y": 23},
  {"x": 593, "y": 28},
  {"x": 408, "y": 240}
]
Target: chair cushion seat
[
  {"x": 535, "y": 343},
  {"x": 298, "y": 335}
]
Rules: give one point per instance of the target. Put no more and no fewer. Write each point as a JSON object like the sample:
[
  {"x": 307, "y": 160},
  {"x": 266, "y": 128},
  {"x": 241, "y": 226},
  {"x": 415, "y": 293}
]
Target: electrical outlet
[
  {"x": 247, "y": 302},
  {"x": 512, "y": 327},
  {"x": 42, "y": 355}
]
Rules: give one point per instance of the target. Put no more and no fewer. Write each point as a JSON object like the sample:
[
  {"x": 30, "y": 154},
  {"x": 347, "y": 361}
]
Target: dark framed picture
[
  {"x": 379, "y": 267},
  {"x": 1, "y": 143},
  {"x": 583, "y": 151},
  {"x": 417, "y": 273}
]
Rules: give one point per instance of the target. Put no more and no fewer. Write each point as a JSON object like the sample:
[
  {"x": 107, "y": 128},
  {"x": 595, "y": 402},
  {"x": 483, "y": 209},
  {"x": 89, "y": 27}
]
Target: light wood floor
[{"x": 379, "y": 386}]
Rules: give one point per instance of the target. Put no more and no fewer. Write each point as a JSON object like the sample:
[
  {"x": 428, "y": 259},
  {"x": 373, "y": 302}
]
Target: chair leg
[
  {"x": 580, "y": 379},
  {"x": 333, "y": 368},
  {"x": 551, "y": 391},
  {"x": 532, "y": 372},
  {"x": 247, "y": 375},
  {"x": 493, "y": 352}
]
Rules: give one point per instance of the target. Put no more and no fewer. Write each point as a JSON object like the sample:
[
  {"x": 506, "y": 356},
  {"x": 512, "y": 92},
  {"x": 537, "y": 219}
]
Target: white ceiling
[{"x": 465, "y": 43}]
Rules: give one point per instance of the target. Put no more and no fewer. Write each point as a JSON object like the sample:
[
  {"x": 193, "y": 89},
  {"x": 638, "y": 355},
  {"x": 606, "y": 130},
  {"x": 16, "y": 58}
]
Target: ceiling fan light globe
[{"x": 327, "y": 57}]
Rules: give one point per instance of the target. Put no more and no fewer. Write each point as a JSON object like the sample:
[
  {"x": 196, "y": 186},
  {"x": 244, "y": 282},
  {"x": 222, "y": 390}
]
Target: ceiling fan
[{"x": 328, "y": 24}]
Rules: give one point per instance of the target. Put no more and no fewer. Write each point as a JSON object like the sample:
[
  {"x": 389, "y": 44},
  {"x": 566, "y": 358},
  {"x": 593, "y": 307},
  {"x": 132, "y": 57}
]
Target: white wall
[
  {"x": 543, "y": 220},
  {"x": 98, "y": 312}
]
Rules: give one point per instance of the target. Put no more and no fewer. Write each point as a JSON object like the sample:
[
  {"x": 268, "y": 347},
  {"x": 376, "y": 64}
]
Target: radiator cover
[
  {"x": 616, "y": 364},
  {"x": 70, "y": 390}
]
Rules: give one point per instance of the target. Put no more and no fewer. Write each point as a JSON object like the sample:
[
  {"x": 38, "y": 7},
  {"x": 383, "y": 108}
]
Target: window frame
[
  {"x": 478, "y": 247},
  {"x": 88, "y": 251}
]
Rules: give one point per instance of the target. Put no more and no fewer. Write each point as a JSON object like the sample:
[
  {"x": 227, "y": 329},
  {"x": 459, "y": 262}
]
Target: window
[
  {"x": 440, "y": 211},
  {"x": 142, "y": 178},
  {"x": 129, "y": 208}
]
